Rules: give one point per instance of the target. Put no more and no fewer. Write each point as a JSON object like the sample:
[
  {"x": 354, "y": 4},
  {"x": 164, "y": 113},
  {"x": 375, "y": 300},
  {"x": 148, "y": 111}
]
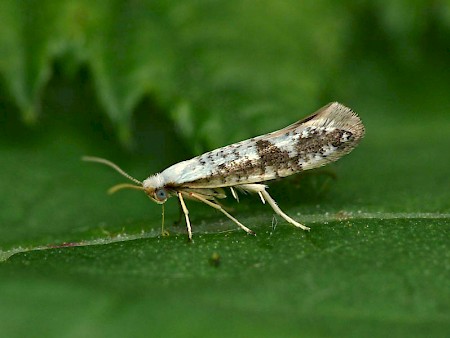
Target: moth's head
[
  {"x": 155, "y": 190},
  {"x": 158, "y": 195}
]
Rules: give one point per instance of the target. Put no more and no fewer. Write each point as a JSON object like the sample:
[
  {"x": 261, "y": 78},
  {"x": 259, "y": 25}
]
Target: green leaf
[{"x": 80, "y": 262}]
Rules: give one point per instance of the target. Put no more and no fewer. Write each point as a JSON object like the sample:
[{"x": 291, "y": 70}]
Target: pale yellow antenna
[{"x": 120, "y": 186}]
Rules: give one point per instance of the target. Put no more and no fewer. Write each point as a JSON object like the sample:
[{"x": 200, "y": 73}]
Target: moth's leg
[
  {"x": 221, "y": 209},
  {"x": 234, "y": 193},
  {"x": 163, "y": 231},
  {"x": 260, "y": 189},
  {"x": 261, "y": 197},
  {"x": 277, "y": 209},
  {"x": 186, "y": 215}
]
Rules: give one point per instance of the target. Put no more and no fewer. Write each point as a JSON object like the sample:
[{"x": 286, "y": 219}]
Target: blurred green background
[{"x": 150, "y": 83}]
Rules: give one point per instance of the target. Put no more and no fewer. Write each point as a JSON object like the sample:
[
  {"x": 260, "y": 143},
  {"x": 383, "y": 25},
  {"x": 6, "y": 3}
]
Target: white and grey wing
[
  {"x": 323, "y": 137},
  {"x": 212, "y": 169},
  {"x": 320, "y": 138}
]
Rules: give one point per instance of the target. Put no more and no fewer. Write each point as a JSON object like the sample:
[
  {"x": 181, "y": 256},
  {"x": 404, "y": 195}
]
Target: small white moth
[{"x": 318, "y": 139}]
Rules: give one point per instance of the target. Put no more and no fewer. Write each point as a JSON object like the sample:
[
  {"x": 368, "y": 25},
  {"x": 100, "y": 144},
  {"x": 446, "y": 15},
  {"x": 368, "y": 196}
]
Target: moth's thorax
[{"x": 153, "y": 182}]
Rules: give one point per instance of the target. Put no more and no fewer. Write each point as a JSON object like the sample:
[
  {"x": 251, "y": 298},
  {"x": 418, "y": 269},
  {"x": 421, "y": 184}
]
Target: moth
[{"x": 321, "y": 138}]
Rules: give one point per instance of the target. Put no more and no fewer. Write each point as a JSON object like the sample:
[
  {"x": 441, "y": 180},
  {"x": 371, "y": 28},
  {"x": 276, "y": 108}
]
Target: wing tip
[{"x": 338, "y": 115}]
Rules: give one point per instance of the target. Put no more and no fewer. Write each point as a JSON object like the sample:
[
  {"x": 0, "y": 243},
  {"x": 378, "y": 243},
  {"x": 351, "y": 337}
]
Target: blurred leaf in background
[{"x": 150, "y": 83}]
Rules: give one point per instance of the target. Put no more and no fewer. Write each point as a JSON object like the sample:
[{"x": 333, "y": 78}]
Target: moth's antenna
[
  {"x": 114, "y": 166},
  {"x": 121, "y": 186}
]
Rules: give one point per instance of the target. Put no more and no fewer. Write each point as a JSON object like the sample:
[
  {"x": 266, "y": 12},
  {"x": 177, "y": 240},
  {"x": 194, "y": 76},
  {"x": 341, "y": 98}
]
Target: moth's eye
[{"x": 161, "y": 194}]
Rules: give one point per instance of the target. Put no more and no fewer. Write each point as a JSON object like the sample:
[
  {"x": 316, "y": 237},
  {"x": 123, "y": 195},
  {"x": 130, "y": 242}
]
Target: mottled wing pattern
[{"x": 323, "y": 137}]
